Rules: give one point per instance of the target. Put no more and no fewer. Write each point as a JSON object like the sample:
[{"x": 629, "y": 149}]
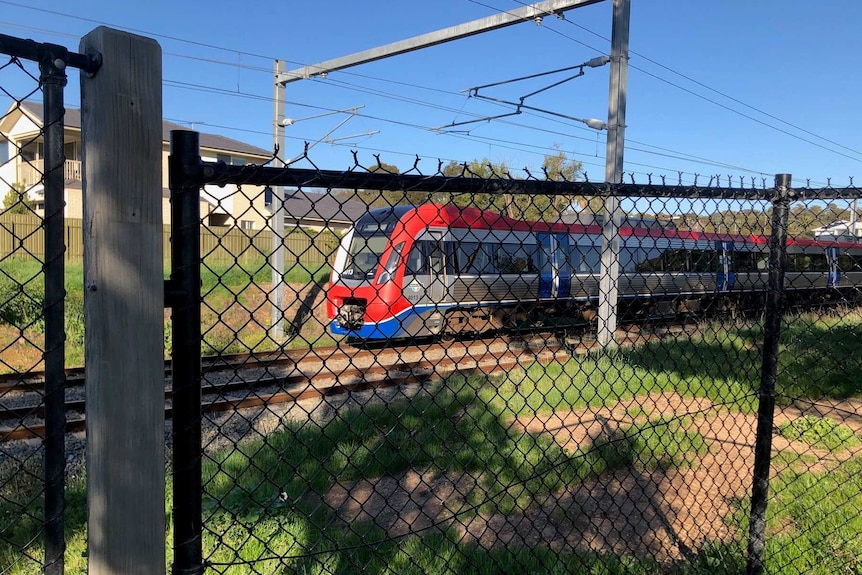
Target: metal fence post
[
  {"x": 121, "y": 128},
  {"x": 185, "y": 299},
  {"x": 53, "y": 81},
  {"x": 768, "y": 374}
]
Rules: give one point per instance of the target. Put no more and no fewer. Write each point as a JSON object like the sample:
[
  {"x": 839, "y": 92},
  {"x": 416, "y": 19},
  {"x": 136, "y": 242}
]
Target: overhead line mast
[{"x": 616, "y": 121}]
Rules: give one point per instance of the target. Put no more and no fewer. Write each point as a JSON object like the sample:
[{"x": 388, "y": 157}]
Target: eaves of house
[{"x": 72, "y": 120}]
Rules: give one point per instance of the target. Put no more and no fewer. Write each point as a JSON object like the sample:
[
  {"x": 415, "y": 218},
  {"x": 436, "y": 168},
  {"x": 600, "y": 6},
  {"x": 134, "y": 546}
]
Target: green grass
[
  {"x": 268, "y": 501},
  {"x": 813, "y": 521},
  {"x": 819, "y": 432},
  {"x": 272, "y": 491},
  {"x": 22, "y": 298}
]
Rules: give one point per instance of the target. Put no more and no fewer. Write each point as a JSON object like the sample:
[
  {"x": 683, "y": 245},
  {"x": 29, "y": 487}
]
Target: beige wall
[{"x": 243, "y": 205}]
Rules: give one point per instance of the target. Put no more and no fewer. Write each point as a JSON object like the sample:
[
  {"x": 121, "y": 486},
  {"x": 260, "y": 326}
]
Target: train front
[{"x": 365, "y": 300}]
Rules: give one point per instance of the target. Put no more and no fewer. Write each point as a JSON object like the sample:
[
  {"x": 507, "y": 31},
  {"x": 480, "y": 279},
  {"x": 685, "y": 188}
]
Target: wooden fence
[{"x": 21, "y": 236}]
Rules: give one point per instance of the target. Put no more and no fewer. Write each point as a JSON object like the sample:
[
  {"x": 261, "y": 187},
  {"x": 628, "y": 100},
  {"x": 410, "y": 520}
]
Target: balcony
[{"x": 30, "y": 172}]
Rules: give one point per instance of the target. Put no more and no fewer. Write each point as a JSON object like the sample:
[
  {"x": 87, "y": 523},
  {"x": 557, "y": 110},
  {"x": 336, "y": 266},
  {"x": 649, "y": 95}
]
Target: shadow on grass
[
  {"x": 306, "y": 307},
  {"x": 434, "y": 483},
  {"x": 820, "y": 357}
]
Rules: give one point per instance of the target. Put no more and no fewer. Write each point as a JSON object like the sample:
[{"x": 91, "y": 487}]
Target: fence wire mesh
[
  {"x": 32, "y": 456},
  {"x": 433, "y": 398}
]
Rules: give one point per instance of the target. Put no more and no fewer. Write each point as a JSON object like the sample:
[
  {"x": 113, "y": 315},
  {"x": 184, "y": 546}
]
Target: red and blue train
[{"x": 443, "y": 270}]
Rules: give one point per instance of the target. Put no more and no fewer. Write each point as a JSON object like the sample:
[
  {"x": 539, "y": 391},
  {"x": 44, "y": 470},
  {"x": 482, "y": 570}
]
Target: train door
[
  {"x": 834, "y": 271},
  {"x": 564, "y": 271},
  {"x": 547, "y": 269},
  {"x": 555, "y": 275},
  {"x": 726, "y": 274},
  {"x": 437, "y": 268}
]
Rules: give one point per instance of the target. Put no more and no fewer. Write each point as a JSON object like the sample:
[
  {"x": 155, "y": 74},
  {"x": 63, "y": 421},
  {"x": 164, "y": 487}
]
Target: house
[
  {"x": 22, "y": 162},
  {"x": 317, "y": 211},
  {"x": 840, "y": 230}
]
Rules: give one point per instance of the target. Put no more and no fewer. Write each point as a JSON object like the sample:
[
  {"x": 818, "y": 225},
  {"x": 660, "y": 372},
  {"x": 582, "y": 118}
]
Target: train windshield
[{"x": 364, "y": 256}]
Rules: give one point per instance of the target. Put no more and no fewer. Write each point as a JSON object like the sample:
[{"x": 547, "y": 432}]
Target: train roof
[{"x": 451, "y": 216}]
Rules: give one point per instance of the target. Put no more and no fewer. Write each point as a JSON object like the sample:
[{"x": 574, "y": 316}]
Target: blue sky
[{"x": 731, "y": 87}]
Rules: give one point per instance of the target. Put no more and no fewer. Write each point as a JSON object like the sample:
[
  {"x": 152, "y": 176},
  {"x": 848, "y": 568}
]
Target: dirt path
[{"x": 666, "y": 514}]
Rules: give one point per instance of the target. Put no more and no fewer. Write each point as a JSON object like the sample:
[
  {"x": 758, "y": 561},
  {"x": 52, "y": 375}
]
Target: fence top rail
[
  {"x": 202, "y": 173},
  {"x": 220, "y": 173},
  {"x": 42, "y": 52}
]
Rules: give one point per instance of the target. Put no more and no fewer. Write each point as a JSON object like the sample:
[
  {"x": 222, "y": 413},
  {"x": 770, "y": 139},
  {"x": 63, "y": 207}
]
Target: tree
[
  {"x": 556, "y": 167},
  {"x": 16, "y": 202},
  {"x": 560, "y": 168},
  {"x": 376, "y": 198}
]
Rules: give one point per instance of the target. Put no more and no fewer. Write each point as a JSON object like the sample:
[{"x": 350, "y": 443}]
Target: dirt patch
[{"x": 666, "y": 514}]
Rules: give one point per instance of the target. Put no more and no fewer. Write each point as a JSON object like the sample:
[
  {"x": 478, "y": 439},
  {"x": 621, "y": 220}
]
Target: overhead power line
[
  {"x": 711, "y": 89},
  {"x": 267, "y": 70}
]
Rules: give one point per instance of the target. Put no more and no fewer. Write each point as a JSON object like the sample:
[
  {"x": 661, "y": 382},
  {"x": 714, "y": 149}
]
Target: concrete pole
[
  {"x": 610, "y": 268},
  {"x": 276, "y": 222}
]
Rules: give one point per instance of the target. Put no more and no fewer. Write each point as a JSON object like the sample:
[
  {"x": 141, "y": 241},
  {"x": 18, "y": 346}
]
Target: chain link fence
[
  {"x": 32, "y": 450},
  {"x": 437, "y": 399},
  {"x": 412, "y": 373}
]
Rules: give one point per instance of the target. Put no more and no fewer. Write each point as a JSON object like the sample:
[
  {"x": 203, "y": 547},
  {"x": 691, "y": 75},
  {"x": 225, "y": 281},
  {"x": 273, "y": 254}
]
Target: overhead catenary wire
[
  {"x": 240, "y": 53},
  {"x": 710, "y": 88},
  {"x": 705, "y": 86}
]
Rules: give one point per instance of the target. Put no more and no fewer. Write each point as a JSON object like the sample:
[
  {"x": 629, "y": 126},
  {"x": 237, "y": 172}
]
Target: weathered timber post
[{"x": 121, "y": 129}]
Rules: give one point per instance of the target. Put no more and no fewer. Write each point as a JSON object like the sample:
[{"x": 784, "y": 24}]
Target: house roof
[
  {"x": 308, "y": 207},
  {"x": 72, "y": 119}
]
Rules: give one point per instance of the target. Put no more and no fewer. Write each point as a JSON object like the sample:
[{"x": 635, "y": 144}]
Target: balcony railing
[{"x": 31, "y": 172}]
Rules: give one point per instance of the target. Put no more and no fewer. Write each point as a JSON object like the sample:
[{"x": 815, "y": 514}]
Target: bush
[{"x": 21, "y": 305}]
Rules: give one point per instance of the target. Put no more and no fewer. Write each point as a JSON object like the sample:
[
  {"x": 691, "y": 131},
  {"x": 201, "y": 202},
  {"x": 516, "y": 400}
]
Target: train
[{"x": 446, "y": 271}]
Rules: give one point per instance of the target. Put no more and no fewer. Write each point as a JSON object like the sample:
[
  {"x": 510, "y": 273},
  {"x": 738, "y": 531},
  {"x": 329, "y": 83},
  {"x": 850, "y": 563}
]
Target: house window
[
  {"x": 4, "y": 151},
  {"x": 217, "y": 219},
  {"x": 246, "y": 224},
  {"x": 231, "y": 160},
  {"x": 31, "y": 151}
]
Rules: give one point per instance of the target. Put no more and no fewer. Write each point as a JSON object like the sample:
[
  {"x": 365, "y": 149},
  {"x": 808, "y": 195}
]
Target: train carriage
[{"x": 412, "y": 271}]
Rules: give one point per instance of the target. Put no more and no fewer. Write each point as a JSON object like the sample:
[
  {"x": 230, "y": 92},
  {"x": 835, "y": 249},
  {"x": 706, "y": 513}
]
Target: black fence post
[
  {"x": 53, "y": 81},
  {"x": 184, "y": 296},
  {"x": 768, "y": 374}
]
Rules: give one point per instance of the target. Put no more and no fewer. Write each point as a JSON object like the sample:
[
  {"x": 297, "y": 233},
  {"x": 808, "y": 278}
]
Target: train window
[
  {"x": 798, "y": 262},
  {"x": 473, "y": 258},
  {"x": 516, "y": 259},
  {"x": 365, "y": 254},
  {"x": 848, "y": 263},
  {"x": 676, "y": 260},
  {"x": 574, "y": 258},
  {"x": 750, "y": 261},
  {"x": 416, "y": 260},
  {"x": 807, "y": 263},
  {"x": 629, "y": 258},
  {"x": 435, "y": 259},
  {"x": 590, "y": 259},
  {"x": 652, "y": 261},
  {"x": 704, "y": 261},
  {"x": 818, "y": 263}
]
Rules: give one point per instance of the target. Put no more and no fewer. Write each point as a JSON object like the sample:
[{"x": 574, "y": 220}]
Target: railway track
[{"x": 254, "y": 380}]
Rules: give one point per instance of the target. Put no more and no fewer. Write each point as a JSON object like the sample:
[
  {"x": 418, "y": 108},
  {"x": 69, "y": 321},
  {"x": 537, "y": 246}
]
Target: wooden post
[{"x": 121, "y": 129}]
